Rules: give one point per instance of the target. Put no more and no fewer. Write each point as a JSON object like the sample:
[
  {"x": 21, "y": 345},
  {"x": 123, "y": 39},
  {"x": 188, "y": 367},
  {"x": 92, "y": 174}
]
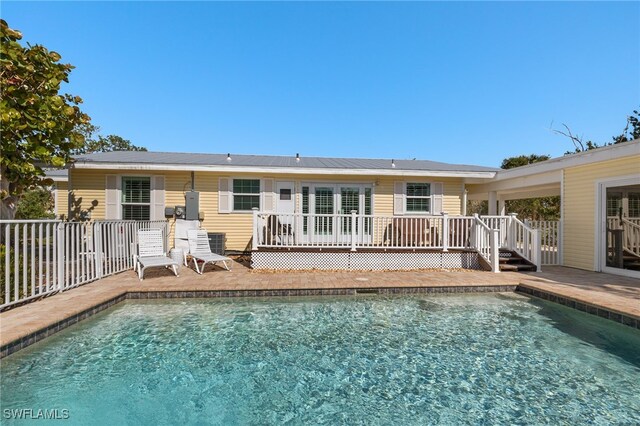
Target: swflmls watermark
[{"x": 35, "y": 414}]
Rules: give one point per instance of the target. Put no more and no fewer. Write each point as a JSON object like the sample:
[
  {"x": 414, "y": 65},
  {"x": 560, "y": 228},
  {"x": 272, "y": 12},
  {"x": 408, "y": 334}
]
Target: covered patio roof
[{"x": 542, "y": 179}]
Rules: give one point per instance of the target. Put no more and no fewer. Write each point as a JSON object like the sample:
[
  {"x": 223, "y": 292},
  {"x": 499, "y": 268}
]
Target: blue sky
[{"x": 455, "y": 82}]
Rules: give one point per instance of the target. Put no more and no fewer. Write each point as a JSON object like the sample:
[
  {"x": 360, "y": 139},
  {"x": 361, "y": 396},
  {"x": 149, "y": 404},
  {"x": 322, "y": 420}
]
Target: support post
[
  {"x": 354, "y": 233},
  {"x": 445, "y": 231},
  {"x": 254, "y": 239},
  {"x": 493, "y": 201},
  {"x": 495, "y": 250},
  {"x": 502, "y": 207}
]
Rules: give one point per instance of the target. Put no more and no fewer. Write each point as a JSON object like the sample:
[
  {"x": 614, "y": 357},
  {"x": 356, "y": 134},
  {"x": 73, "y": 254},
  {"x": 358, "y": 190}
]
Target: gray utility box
[
  {"x": 217, "y": 242},
  {"x": 192, "y": 204}
]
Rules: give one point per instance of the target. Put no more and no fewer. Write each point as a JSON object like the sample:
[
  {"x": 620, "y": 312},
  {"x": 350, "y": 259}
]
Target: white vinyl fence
[
  {"x": 550, "y": 240},
  {"x": 41, "y": 257}
]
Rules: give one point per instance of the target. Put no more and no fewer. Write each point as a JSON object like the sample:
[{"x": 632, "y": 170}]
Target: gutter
[{"x": 281, "y": 170}]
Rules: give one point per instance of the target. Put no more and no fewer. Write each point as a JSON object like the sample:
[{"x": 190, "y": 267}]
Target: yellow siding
[
  {"x": 88, "y": 186},
  {"x": 452, "y": 202},
  {"x": 62, "y": 199},
  {"x": 579, "y": 201},
  {"x": 86, "y": 193}
]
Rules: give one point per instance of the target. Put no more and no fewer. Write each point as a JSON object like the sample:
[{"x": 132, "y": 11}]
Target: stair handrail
[
  {"x": 486, "y": 242},
  {"x": 631, "y": 239},
  {"x": 525, "y": 241}
]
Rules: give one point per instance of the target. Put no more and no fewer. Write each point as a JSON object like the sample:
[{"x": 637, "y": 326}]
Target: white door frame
[
  {"x": 600, "y": 248},
  {"x": 336, "y": 234}
]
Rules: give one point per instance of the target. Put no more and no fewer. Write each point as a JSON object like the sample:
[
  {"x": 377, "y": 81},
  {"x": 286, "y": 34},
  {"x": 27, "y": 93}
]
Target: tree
[
  {"x": 38, "y": 122},
  {"x": 36, "y": 203},
  {"x": 522, "y": 160},
  {"x": 98, "y": 143},
  {"x": 630, "y": 132}
]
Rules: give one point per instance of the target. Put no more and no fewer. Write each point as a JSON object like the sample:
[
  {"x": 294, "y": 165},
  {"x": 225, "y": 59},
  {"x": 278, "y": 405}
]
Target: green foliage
[
  {"x": 629, "y": 133},
  {"x": 36, "y": 203},
  {"x": 107, "y": 144},
  {"x": 38, "y": 122},
  {"x": 632, "y": 129},
  {"x": 522, "y": 160},
  {"x": 99, "y": 143}
]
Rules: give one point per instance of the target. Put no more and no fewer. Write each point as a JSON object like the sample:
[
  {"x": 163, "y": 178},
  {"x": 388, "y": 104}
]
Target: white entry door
[
  {"x": 285, "y": 201},
  {"x": 286, "y": 207}
]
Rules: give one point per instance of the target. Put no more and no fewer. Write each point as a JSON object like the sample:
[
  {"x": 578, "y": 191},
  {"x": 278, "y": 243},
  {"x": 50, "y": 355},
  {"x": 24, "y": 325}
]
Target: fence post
[
  {"x": 254, "y": 239},
  {"x": 537, "y": 249},
  {"x": 495, "y": 250},
  {"x": 445, "y": 231},
  {"x": 61, "y": 258},
  {"x": 354, "y": 233},
  {"x": 476, "y": 235},
  {"x": 97, "y": 243},
  {"x": 559, "y": 241}
]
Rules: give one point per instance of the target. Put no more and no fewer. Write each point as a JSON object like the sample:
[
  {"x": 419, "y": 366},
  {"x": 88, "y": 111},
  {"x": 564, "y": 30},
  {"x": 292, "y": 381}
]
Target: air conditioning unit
[{"x": 217, "y": 242}]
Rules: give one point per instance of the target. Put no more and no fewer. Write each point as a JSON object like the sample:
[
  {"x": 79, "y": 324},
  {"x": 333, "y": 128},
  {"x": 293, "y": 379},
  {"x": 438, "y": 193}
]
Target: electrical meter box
[{"x": 192, "y": 204}]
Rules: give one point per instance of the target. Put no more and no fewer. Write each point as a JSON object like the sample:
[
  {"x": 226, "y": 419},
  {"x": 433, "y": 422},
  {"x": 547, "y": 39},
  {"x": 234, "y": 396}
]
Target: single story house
[{"x": 348, "y": 196}]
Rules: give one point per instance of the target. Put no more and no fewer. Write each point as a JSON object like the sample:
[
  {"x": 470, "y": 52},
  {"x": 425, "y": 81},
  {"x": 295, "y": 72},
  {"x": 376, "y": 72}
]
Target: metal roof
[
  {"x": 271, "y": 161},
  {"x": 57, "y": 174}
]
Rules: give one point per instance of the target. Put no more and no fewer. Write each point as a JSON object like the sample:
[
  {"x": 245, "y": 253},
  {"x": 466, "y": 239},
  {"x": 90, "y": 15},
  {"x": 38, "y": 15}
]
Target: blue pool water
[{"x": 470, "y": 359}]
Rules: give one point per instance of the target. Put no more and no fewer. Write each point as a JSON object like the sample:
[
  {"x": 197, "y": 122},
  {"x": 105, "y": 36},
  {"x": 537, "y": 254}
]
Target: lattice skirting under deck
[{"x": 295, "y": 260}]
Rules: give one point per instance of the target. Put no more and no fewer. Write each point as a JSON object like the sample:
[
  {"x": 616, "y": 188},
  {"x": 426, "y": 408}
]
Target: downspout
[{"x": 464, "y": 199}]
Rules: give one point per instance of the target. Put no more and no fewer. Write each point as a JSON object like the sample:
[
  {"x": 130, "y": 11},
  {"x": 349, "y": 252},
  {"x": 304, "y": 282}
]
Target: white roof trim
[
  {"x": 280, "y": 170},
  {"x": 612, "y": 152}
]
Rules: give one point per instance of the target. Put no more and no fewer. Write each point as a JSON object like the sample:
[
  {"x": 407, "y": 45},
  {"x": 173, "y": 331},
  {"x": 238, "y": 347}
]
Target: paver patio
[{"x": 611, "y": 292}]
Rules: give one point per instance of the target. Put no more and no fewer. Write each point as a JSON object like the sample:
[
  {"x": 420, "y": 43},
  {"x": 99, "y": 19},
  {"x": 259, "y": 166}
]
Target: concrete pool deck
[{"x": 610, "y": 296}]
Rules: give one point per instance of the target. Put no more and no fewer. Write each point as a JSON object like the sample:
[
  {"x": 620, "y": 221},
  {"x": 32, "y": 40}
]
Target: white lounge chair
[
  {"x": 151, "y": 252},
  {"x": 199, "y": 249}
]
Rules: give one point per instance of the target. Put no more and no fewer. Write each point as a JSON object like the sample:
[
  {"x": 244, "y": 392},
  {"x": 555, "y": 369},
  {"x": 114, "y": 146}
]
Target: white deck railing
[
  {"x": 487, "y": 243},
  {"x": 352, "y": 231},
  {"x": 357, "y": 232},
  {"x": 630, "y": 233},
  {"x": 524, "y": 240},
  {"x": 550, "y": 240},
  {"x": 41, "y": 257}
]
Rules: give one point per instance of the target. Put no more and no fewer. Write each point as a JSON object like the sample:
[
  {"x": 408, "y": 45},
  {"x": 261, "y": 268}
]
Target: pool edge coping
[{"x": 522, "y": 288}]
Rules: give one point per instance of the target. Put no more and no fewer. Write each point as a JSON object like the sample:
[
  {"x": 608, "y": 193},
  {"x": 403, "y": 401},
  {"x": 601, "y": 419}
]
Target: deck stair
[
  {"x": 513, "y": 262},
  {"x": 631, "y": 261}
]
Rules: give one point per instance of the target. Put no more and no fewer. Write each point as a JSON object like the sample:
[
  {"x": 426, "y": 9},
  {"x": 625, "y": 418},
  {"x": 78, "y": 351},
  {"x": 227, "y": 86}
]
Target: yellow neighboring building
[{"x": 600, "y": 195}]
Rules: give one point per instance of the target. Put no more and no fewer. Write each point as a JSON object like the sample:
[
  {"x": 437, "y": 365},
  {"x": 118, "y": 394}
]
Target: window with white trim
[
  {"x": 246, "y": 194},
  {"x": 418, "y": 197},
  {"x": 136, "y": 198}
]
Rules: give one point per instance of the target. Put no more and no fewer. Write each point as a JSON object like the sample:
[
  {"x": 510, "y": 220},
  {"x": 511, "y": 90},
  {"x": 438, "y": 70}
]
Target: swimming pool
[{"x": 450, "y": 359}]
